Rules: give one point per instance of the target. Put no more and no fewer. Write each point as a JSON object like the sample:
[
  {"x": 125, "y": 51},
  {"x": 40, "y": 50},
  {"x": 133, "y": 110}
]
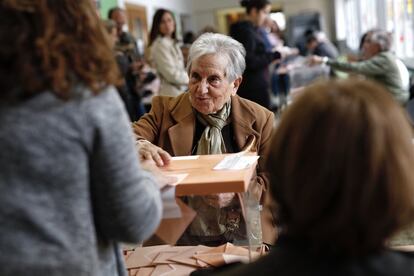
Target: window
[
  {"x": 400, "y": 22},
  {"x": 355, "y": 17}
]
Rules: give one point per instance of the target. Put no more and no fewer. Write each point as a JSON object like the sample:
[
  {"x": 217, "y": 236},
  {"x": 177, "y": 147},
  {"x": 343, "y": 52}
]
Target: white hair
[
  {"x": 382, "y": 38},
  {"x": 222, "y": 45}
]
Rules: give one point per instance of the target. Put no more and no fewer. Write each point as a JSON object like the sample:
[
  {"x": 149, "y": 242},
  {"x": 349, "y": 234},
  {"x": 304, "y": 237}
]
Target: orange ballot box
[
  {"x": 200, "y": 175},
  {"x": 212, "y": 174}
]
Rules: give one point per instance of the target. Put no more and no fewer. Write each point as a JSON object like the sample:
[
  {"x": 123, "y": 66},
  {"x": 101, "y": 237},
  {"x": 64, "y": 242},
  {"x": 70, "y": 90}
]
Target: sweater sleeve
[
  {"x": 126, "y": 200},
  {"x": 371, "y": 67}
]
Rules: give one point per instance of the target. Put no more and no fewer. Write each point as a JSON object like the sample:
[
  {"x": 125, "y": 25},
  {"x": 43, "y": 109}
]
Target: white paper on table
[
  {"x": 170, "y": 209},
  {"x": 236, "y": 162},
  {"x": 188, "y": 157}
]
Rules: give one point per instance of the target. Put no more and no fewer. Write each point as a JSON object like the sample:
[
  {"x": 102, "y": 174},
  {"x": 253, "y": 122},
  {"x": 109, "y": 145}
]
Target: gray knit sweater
[{"x": 71, "y": 186}]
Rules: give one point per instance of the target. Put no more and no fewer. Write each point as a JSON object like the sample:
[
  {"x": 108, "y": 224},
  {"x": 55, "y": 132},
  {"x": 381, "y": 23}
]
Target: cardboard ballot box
[
  {"x": 182, "y": 260},
  {"x": 198, "y": 175}
]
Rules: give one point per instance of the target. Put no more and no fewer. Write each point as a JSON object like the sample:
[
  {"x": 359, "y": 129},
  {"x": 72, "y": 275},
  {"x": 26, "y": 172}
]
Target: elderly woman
[
  {"x": 209, "y": 119},
  {"x": 379, "y": 64},
  {"x": 338, "y": 197}
]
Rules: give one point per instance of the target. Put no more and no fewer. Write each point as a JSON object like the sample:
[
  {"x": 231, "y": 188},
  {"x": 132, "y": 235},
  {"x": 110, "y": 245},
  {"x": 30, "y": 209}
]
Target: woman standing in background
[
  {"x": 71, "y": 186},
  {"x": 166, "y": 55},
  {"x": 255, "y": 84}
]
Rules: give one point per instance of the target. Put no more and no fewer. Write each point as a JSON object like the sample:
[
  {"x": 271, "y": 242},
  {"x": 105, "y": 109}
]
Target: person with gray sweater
[{"x": 71, "y": 185}]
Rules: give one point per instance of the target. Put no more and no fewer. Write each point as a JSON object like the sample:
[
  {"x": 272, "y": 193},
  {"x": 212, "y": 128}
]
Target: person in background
[
  {"x": 318, "y": 44},
  {"x": 166, "y": 55},
  {"x": 71, "y": 185},
  {"x": 279, "y": 77},
  {"x": 131, "y": 72},
  {"x": 188, "y": 39},
  {"x": 126, "y": 42},
  {"x": 338, "y": 198},
  {"x": 123, "y": 65},
  {"x": 300, "y": 42},
  {"x": 255, "y": 85},
  {"x": 361, "y": 54},
  {"x": 273, "y": 33},
  {"x": 211, "y": 119},
  {"x": 380, "y": 65}
]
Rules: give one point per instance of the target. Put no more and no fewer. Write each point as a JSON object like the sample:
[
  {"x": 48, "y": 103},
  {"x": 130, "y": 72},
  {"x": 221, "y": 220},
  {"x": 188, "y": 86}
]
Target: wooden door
[{"x": 137, "y": 24}]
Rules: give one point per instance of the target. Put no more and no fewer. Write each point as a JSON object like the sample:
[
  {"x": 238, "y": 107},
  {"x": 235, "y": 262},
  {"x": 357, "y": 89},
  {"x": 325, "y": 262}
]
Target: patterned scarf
[{"x": 211, "y": 141}]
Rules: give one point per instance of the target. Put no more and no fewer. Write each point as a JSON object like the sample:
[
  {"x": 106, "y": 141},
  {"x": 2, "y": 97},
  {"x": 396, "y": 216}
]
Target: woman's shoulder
[
  {"x": 163, "y": 41},
  {"x": 104, "y": 105}
]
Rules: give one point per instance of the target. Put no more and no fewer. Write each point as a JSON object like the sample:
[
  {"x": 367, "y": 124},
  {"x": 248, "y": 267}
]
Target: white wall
[
  {"x": 203, "y": 12},
  {"x": 324, "y": 7}
]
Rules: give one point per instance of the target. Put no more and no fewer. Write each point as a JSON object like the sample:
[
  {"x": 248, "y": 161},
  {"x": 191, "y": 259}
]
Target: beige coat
[
  {"x": 170, "y": 124},
  {"x": 167, "y": 58}
]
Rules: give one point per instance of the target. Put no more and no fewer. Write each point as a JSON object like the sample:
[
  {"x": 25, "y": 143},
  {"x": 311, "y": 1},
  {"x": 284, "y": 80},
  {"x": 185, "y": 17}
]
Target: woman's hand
[{"x": 149, "y": 151}]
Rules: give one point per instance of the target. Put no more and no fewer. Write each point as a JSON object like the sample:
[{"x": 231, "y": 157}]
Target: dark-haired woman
[
  {"x": 71, "y": 186},
  {"x": 255, "y": 85},
  {"x": 166, "y": 55}
]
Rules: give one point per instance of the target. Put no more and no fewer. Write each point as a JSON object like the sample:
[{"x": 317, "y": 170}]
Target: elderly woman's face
[{"x": 209, "y": 87}]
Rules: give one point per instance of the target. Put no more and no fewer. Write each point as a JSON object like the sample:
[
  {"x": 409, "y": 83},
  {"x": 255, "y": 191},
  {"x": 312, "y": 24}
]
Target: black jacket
[
  {"x": 255, "y": 82},
  {"x": 292, "y": 259}
]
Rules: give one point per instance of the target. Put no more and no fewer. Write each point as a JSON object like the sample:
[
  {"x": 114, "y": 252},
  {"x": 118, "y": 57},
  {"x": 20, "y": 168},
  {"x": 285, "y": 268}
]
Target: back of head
[
  {"x": 364, "y": 36},
  {"x": 189, "y": 38},
  {"x": 341, "y": 168},
  {"x": 223, "y": 45},
  {"x": 256, "y": 4},
  {"x": 382, "y": 38},
  {"x": 52, "y": 45}
]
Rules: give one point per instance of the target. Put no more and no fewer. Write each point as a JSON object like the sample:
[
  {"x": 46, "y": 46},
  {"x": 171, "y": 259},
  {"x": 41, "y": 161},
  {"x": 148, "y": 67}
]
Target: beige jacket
[
  {"x": 167, "y": 58},
  {"x": 170, "y": 124}
]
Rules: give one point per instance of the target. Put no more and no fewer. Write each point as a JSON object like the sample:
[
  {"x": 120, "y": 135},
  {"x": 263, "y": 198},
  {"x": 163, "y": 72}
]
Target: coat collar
[{"x": 181, "y": 134}]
